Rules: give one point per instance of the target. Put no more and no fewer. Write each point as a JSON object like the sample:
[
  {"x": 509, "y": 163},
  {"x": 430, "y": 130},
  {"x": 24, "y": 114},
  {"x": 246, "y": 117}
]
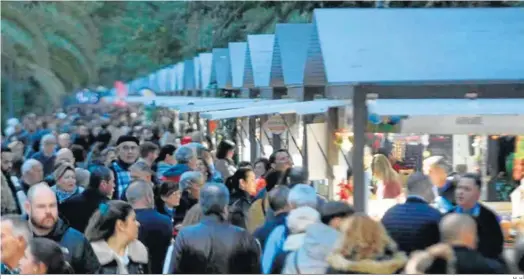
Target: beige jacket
[{"x": 7, "y": 201}]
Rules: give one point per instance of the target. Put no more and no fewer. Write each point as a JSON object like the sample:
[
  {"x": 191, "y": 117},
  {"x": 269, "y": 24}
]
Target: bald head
[
  {"x": 40, "y": 190},
  {"x": 459, "y": 229},
  {"x": 42, "y": 208},
  {"x": 64, "y": 155}
]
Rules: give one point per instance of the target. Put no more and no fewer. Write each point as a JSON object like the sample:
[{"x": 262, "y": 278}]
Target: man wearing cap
[
  {"x": 186, "y": 161},
  {"x": 127, "y": 153}
]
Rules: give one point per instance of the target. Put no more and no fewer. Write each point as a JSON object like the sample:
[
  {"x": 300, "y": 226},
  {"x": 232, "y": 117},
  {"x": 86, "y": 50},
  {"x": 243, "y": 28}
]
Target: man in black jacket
[
  {"x": 414, "y": 224},
  {"x": 78, "y": 209},
  {"x": 460, "y": 231},
  {"x": 214, "y": 246},
  {"x": 489, "y": 233},
  {"x": 42, "y": 210}
]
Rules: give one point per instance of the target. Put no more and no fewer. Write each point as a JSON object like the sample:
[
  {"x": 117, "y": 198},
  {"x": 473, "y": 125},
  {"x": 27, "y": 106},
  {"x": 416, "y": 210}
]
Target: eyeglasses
[{"x": 129, "y": 148}]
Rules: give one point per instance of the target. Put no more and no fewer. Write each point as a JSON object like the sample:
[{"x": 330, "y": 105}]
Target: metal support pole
[
  {"x": 253, "y": 138},
  {"x": 361, "y": 190}
]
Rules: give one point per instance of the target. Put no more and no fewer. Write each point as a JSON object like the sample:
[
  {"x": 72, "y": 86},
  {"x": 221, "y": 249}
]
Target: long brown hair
[
  {"x": 382, "y": 169},
  {"x": 364, "y": 238}
]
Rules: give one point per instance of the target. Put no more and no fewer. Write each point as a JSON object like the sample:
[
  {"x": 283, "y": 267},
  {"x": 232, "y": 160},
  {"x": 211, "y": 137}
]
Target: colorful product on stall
[{"x": 518, "y": 161}]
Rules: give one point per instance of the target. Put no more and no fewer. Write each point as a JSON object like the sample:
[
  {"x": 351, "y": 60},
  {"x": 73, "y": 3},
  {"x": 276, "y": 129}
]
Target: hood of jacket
[
  {"x": 386, "y": 265},
  {"x": 294, "y": 242},
  {"x": 319, "y": 240},
  {"x": 300, "y": 218},
  {"x": 136, "y": 252},
  {"x": 176, "y": 170},
  {"x": 58, "y": 232}
]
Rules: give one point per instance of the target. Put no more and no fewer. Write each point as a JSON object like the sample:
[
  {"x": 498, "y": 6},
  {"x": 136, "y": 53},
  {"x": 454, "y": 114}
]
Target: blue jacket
[
  {"x": 413, "y": 225},
  {"x": 263, "y": 232}
]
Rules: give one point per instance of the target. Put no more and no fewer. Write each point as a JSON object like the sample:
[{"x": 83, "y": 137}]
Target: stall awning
[
  {"x": 421, "y": 107},
  {"x": 454, "y": 116},
  {"x": 265, "y": 109},
  {"x": 242, "y": 103},
  {"x": 321, "y": 106},
  {"x": 175, "y": 102}
]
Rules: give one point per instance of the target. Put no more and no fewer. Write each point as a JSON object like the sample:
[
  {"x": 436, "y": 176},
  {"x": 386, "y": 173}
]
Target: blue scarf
[
  {"x": 63, "y": 195},
  {"x": 474, "y": 212}
]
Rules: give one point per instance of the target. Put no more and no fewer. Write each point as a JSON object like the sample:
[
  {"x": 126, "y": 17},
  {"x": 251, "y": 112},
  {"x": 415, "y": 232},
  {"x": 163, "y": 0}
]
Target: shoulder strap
[
  {"x": 296, "y": 263},
  {"x": 264, "y": 205}
]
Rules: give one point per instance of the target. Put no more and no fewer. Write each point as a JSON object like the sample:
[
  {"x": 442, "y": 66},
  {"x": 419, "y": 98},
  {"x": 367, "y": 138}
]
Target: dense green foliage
[{"x": 53, "y": 48}]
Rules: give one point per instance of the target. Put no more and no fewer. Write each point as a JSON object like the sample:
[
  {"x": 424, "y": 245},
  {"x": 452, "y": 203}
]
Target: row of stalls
[{"x": 322, "y": 90}]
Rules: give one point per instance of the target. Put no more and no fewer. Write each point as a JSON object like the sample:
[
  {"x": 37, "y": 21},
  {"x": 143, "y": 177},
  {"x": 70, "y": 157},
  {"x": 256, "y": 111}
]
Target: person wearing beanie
[
  {"x": 66, "y": 186},
  {"x": 319, "y": 240},
  {"x": 127, "y": 152}
]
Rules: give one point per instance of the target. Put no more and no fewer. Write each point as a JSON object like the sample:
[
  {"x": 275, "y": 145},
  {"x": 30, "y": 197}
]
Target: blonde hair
[
  {"x": 364, "y": 238},
  {"x": 382, "y": 169}
]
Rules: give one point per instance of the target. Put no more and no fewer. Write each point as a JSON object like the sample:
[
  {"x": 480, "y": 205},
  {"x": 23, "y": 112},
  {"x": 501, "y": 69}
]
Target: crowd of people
[{"x": 105, "y": 192}]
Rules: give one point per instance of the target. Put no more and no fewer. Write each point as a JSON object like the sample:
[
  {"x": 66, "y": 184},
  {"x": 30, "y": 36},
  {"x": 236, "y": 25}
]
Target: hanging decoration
[{"x": 384, "y": 124}]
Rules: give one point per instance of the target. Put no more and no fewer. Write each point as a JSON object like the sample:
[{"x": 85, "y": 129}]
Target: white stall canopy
[
  {"x": 288, "y": 106},
  {"x": 240, "y": 103},
  {"x": 454, "y": 116},
  {"x": 179, "y": 101},
  {"x": 321, "y": 106}
]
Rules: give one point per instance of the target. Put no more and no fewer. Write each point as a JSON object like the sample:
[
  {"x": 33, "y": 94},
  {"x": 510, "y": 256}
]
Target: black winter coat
[
  {"x": 186, "y": 202},
  {"x": 214, "y": 247},
  {"x": 472, "y": 262},
  {"x": 239, "y": 209},
  {"x": 79, "y": 254},
  {"x": 489, "y": 234},
  {"x": 78, "y": 209}
]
